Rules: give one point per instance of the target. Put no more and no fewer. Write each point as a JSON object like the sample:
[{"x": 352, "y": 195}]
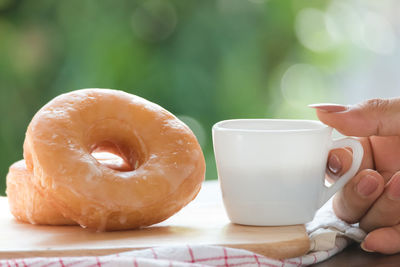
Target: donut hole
[
  {"x": 113, "y": 157},
  {"x": 112, "y": 161},
  {"x": 122, "y": 149}
]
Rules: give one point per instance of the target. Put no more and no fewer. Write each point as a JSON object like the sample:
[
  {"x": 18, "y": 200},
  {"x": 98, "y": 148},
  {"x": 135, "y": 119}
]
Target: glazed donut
[
  {"x": 166, "y": 163},
  {"x": 26, "y": 203}
]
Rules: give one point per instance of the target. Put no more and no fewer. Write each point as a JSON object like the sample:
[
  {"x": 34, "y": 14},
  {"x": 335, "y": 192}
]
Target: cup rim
[{"x": 219, "y": 126}]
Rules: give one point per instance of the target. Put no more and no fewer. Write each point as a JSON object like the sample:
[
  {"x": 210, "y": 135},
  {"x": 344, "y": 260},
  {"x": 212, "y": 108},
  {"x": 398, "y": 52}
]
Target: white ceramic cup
[{"x": 272, "y": 172}]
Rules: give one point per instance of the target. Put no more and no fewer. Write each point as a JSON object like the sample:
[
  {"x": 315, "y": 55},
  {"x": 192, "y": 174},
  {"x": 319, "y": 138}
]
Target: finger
[
  {"x": 339, "y": 162},
  {"x": 373, "y": 117},
  {"x": 340, "y": 159},
  {"x": 353, "y": 201},
  {"x": 383, "y": 240},
  {"x": 386, "y": 210},
  {"x": 368, "y": 157},
  {"x": 386, "y": 151}
]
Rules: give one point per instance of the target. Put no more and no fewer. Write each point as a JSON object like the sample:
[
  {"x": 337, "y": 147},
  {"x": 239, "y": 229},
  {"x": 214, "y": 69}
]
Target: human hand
[{"x": 372, "y": 197}]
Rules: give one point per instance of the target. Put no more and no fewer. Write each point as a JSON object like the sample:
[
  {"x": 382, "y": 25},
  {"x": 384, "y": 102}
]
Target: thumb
[
  {"x": 385, "y": 240},
  {"x": 373, "y": 117}
]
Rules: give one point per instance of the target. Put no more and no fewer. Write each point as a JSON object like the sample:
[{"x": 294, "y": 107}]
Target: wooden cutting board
[{"x": 203, "y": 221}]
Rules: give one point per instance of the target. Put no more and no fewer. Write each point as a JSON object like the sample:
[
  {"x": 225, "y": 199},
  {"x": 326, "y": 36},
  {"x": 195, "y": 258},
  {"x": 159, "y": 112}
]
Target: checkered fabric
[{"x": 185, "y": 256}]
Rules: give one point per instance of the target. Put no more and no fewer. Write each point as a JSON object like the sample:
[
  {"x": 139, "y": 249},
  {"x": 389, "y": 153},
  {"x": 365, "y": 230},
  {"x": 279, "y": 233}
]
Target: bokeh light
[
  {"x": 344, "y": 23},
  {"x": 311, "y": 30},
  {"x": 302, "y": 84},
  {"x": 378, "y": 34}
]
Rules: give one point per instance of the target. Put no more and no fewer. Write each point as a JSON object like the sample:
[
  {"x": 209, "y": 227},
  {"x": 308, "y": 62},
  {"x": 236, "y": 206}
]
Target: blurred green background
[{"x": 203, "y": 60}]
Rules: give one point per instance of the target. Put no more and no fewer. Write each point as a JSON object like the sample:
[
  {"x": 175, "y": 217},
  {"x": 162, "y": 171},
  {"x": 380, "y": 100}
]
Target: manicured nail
[
  {"x": 367, "y": 185},
  {"x": 394, "y": 188},
  {"x": 334, "y": 164},
  {"x": 364, "y": 248},
  {"x": 327, "y": 107}
]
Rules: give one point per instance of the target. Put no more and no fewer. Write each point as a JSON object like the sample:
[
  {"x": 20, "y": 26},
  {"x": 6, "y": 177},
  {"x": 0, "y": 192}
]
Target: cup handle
[{"x": 358, "y": 153}]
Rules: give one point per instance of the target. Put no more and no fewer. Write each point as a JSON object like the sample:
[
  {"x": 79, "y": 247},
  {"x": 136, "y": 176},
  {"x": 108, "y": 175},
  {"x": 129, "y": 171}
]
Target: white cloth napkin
[
  {"x": 325, "y": 229},
  {"x": 182, "y": 256}
]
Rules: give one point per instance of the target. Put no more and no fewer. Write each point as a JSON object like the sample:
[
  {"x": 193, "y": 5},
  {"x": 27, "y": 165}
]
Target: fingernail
[
  {"x": 367, "y": 185},
  {"x": 327, "y": 107},
  {"x": 394, "y": 188},
  {"x": 364, "y": 248},
  {"x": 334, "y": 164}
]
